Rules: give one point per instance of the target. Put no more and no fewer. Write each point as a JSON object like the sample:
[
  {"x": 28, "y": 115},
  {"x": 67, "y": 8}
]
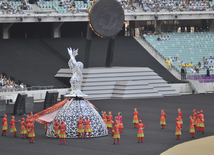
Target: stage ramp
[{"x": 121, "y": 83}]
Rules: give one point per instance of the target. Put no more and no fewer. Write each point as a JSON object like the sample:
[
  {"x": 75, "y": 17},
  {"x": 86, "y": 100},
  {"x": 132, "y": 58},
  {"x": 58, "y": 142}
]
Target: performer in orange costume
[
  {"x": 192, "y": 128},
  {"x": 109, "y": 122},
  {"x": 163, "y": 120},
  {"x": 23, "y": 129},
  {"x": 105, "y": 118},
  {"x": 31, "y": 133},
  {"x": 80, "y": 127},
  {"x": 201, "y": 117},
  {"x": 56, "y": 128},
  {"x": 62, "y": 135},
  {"x": 116, "y": 129},
  {"x": 198, "y": 121},
  {"x": 180, "y": 117},
  {"x": 178, "y": 129},
  {"x": 135, "y": 117},
  {"x": 30, "y": 116},
  {"x": 13, "y": 127},
  {"x": 195, "y": 119},
  {"x": 87, "y": 127},
  {"x": 115, "y": 119},
  {"x": 4, "y": 128},
  {"x": 120, "y": 122},
  {"x": 140, "y": 133},
  {"x": 27, "y": 122}
]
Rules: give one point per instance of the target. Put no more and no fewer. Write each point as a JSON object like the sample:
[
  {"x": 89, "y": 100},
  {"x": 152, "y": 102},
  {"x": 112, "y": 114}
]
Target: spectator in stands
[
  {"x": 158, "y": 39},
  {"x": 208, "y": 72},
  {"x": 199, "y": 63},
  {"x": 167, "y": 38},
  {"x": 183, "y": 73},
  {"x": 191, "y": 64},
  {"x": 169, "y": 64},
  {"x": 193, "y": 70}
]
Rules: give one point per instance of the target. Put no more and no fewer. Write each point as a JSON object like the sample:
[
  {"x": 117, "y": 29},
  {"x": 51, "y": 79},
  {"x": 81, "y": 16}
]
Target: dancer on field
[
  {"x": 163, "y": 119},
  {"x": 195, "y": 119},
  {"x": 135, "y": 117},
  {"x": 109, "y": 122},
  {"x": 180, "y": 117},
  {"x": 116, "y": 130},
  {"x": 62, "y": 135},
  {"x": 56, "y": 128},
  {"x": 13, "y": 127},
  {"x": 80, "y": 127},
  {"x": 192, "y": 128},
  {"x": 178, "y": 129},
  {"x": 4, "y": 128},
  {"x": 201, "y": 117},
  {"x": 87, "y": 127},
  {"x": 140, "y": 133},
  {"x": 120, "y": 122},
  {"x": 23, "y": 128},
  {"x": 31, "y": 133}
]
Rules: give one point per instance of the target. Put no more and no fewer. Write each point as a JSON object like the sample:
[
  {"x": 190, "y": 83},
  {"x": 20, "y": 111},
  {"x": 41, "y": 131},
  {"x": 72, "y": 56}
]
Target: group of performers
[
  {"x": 27, "y": 127},
  {"x": 196, "y": 122},
  {"x": 118, "y": 124},
  {"x": 60, "y": 129}
]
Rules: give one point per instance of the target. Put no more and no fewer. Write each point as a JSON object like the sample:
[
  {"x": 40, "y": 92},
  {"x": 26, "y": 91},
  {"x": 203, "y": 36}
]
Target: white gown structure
[{"x": 76, "y": 106}]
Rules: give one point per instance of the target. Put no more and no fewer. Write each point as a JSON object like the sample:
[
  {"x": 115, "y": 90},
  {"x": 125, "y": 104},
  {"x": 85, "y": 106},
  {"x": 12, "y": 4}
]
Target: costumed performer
[
  {"x": 4, "y": 128},
  {"x": 23, "y": 129},
  {"x": 87, "y": 127},
  {"x": 13, "y": 127},
  {"x": 80, "y": 127},
  {"x": 116, "y": 129},
  {"x": 62, "y": 135},
  {"x": 140, "y": 133},
  {"x": 120, "y": 122},
  {"x": 135, "y": 117},
  {"x": 163, "y": 119},
  {"x": 178, "y": 129}
]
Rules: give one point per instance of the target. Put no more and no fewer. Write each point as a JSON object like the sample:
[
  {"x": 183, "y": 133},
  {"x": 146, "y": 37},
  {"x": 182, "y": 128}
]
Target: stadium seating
[
  {"x": 188, "y": 47},
  {"x": 62, "y": 9}
]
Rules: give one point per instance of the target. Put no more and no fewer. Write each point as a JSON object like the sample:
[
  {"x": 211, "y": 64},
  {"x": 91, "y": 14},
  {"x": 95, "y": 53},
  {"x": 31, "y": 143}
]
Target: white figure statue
[{"x": 76, "y": 79}]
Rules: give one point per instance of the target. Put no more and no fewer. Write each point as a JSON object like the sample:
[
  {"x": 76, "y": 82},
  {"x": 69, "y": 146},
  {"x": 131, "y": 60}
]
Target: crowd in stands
[
  {"x": 128, "y": 6},
  {"x": 175, "y": 5},
  {"x": 163, "y": 38},
  {"x": 14, "y": 7},
  {"x": 197, "y": 68},
  {"x": 8, "y": 85}
]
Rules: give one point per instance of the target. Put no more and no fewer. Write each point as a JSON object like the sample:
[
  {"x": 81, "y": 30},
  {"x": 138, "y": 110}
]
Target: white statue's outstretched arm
[{"x": 72, "y": 58}]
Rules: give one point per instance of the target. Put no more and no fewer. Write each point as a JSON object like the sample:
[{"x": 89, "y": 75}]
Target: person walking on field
[
  {"x": 195, "y": 119},
  {"x": 192, "y": 128},
  {"x": 23, "y": 129},
  {"x": 31, "y": 133},
  {"x": 56, "y": 128},
  {"x": 87, "y": 128},
  {"x": 116, "y": 130},
  {"x": 178, "y": 129},
  {"x": 109, "y": 122},
  {"x": 120, "y": 122},
  {"x": 140, "y": 133},
  {"x": 135, "y": 117},
  {"x": 163, "y": 119},
  {"x": 198, "y": 121},
  {"x": 62, "y": 135},
  {"x": 4, "y": 128},
  {"x": 201, "y": 117},
  {"x": 80, "y": 127},
  {"x": 180, "y": 117},
  {"x": 13, "y": 127}
]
